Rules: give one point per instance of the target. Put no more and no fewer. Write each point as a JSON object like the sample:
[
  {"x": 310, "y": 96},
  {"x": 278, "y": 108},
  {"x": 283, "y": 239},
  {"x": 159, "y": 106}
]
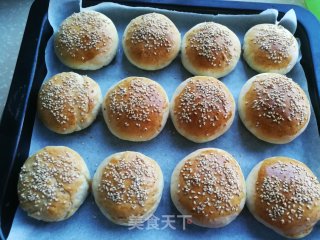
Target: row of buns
[
  {"x": 208, "y": 185},
  {"x": 89, "y": 40},
  {"x": 271, "y": 106}
]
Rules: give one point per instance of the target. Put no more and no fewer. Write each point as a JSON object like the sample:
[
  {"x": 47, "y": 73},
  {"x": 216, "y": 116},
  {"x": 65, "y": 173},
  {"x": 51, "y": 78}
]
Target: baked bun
[
  {"x": 136, "y": 109},
  {"x": 284, "y": 195},
  {"x": 208, "y": 184},
  {"x": 210, "y": 49},
  {"x": 69, "y": 102},
  {"x": 151, "y": 41},
  {"x": 270, "y": 48},
  {"x": 53, "y": 183},
  {"x": 127, "y": 187},
  {"x": 86, "y": 40},
  {"x": 274, "y": 108},
  {"x": 202, "y": 109}
]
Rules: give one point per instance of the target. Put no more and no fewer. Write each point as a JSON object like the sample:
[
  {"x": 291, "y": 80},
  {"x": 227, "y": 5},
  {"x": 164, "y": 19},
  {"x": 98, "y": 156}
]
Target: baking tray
[{"x": 20, "y": 110}]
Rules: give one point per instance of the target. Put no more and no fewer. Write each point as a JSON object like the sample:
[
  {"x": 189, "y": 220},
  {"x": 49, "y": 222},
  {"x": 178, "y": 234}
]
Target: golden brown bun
[
  {"x": 210, "y": 49},
  {"x": 284, "y": 195},
  {"x": 209, "y": 185},
  {"x": 136, "y": 109},
  {"x": 270, "y": 48},
  {"x": 202, "y": 109},
  {"x": 127, "y": 187},
  {"x": 53, "y": 183},
  {"x": 86, "y": 40},
  {"x": 69, "y": 102},
  {"x": 151, "y": 41},
  {"x": 274, "y": 108}
]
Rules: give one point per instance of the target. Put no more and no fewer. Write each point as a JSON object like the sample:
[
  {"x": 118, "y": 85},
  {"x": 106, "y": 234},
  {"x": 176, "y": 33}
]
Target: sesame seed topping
[
  {"x": 42, "y": 181},
  {"x": 279, "y": 99},
  {"x": 288, "y": 190},
  {"x": 82, "y": 31},
  {"x": 127, "y": 180},
  {"x": 275, "y": 40},
  {"x": 153, "y": 30},
  {"x": 213, "y": 41},
  {"x": 204, "y": 101},
  {"x": 211, "y": 182},
  {"x": 137, "y": 101},
  {"x": 66, "y": 96}
]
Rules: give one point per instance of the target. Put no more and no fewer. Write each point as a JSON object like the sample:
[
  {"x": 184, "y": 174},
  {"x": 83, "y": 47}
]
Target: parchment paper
[{"x": 96, "y": 143}]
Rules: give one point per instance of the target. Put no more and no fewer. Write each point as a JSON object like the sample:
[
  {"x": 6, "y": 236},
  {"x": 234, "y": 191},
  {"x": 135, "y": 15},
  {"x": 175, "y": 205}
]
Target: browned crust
[
  {"x": 202, "y": 62},
  {"x": 270, "y": 47},
  {"x": 289, "y": 224},
  {"x": 143, "y": 56},
  {"x": 129, "y": 124},
  {"x": 77, "y": 43},
  {"x": 68, "y": 101},
  {"x": 152, "y": 182},
  {"x": 77, "y": 56},
  {"x": 151, "y": 50},
  {"x": 261, "y": 58},
  {"x": 220, "y": 114},
  {"x": 277, "y": 122},
  {"x": 218, "y": 59},
  {"x": 192, "y": 200},
  {"x": 39, "y": 203}
]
